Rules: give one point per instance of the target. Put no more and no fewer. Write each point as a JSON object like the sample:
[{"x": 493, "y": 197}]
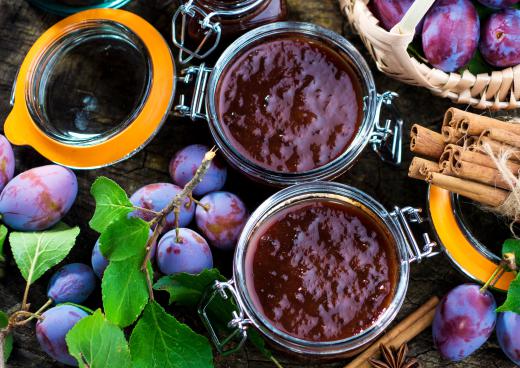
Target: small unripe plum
[
  {"x": 221, "y": 218},
  {"x": 156, "y": 197},
  {"x": 52, "y": 329},
  {"x": 6, "y": 162},
  {"x": 73, "y": 283},
  {"x": 450, "y": 34},
  {"x": 185, "y": 163},
  {"x": 38, "y": 198},
  {"x": 189, "y": 253},
  {"x": 500, "y": 45}
]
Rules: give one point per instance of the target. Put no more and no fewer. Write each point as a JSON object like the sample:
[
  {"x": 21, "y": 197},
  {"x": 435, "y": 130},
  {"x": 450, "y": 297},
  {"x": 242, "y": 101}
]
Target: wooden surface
[{"x": 20, "y": 26}]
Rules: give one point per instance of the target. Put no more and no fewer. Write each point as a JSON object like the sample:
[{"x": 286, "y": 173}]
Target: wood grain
[{"x": 20, "y": 25}]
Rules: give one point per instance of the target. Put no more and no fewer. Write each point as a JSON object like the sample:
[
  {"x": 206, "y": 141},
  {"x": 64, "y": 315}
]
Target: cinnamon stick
[
  {"x": 483, "y": 159},
  {"x": 420, "y": 167},
  {"x": 403, "y": 332},
  {"x": 474, "y": 124},
  {"x": 479, "y": 173},
  {"x": 451, "y": 135},
  {"x": 503, "y": 136},
  {"x": 426, "y": 142},
  {"x": 446, "y": 168},
  {"x": 497, "y": 147},
  {"x": 482, "y": 193}
]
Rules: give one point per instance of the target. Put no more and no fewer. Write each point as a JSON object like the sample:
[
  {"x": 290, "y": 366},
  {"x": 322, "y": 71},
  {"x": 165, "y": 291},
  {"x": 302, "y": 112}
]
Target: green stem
[
  {"x": 276, "y": 362},
  {"x": 146, "y": 210},
  {"x": 38, "y": 312},
  {"x": 493, "y": 279},
  {"x": 25, "y": 296}
]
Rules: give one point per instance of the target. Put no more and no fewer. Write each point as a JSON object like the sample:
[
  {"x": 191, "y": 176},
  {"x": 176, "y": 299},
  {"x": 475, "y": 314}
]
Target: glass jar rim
[
  {"x": 316, "y": 190},
  {"x": 232, "y": 9},
  {"x": 329, "y": 170},
  {"x": 64, "y": 9}
]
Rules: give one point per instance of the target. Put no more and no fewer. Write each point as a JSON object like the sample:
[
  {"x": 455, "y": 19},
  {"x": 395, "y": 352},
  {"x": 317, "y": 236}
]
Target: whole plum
[
  {"x": 221, "y": 217},
  {"x": 500, "y": 44},
  {"x": 157, "y": 196},
  {"x": 390, "y": 12},
  {"x": 100, "y": 262},
  {"x": 38, "y": 198},
  {"x": 450, "y": 34},
  {"x": 498, "y": 4},
  {"x": 190, "y": 254},
  {"x": 73, "y": 283},
  {"x": 463, "y": 322},
  {"x": 52, "y": 329},
  {"x": 508, "y": 334},
  {"x": 185, "y": 163},
  {"x": 6, "y": 162}
]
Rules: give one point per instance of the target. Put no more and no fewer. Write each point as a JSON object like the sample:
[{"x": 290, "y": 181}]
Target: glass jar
[
  {"x": 211, "y": 24},
  {"x": 396, "y": 224},
  {"x": 455, "y": 223},
  {"x": 384, "y": 134},
  {"x": 67, "y": 7}
]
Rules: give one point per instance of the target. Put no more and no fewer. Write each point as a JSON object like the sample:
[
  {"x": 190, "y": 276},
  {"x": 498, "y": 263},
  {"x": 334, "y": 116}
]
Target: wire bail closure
[
  {"x": 387, "y": 138},
  {"x": 188, "y": 11}
]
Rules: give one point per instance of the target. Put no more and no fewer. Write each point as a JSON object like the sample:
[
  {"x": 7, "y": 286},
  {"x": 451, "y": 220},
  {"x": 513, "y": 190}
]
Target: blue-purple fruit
[
  {"x": 500, "y": 44},
  {"x": 189, "y": 253},
  {"x": 38, "y": 198},
  {"x": 52, "y": 329},
  {"x": 463, "y": 322},
  {"x": 450, "y": 34},
  {"x": 6, "y": 162},
  {"x": 221, "y": 218},
  {"x": 156, "y": 197},
  {"x": 185, "y": 163},
  {"x": 390, "y": 12},
  {"x": 73, "y": 283},
  {"x": 499, "y": 4},
  {"x": 508, "y": 334}
]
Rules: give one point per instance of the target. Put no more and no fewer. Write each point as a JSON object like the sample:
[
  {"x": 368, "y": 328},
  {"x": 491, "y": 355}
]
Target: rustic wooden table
[{"x": 20, "y": 26}]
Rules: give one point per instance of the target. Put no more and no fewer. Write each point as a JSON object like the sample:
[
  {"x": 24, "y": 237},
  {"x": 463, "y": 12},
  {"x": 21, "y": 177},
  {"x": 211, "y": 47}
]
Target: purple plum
[
  {"x": 185, "y": 163},
  {"x": 390, "y": 12},
  {"x": 156, "y": 197},
  {"x": 73, "y": 283},
  {"x": 508, "y": 334},
  {"x": 190, "y": 254},
  {"x": 221, "y": 217},
  {"x": 6, "y": 162},
  {"x": 52, "y": 329},
  {"x": 463, "y": 322},
  {"x": 450, "y": 34},
  {"x": 38, "y": 198},
  {"x": 499, "y": 4},
  {"x": 500, "y": 45}
]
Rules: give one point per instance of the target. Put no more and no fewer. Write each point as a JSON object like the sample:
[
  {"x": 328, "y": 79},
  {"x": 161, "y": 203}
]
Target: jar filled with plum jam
[
  {"x": 211, "y": 24},
  {"x": 320, "y": 269},
  {"x": 293, "y": 102}
]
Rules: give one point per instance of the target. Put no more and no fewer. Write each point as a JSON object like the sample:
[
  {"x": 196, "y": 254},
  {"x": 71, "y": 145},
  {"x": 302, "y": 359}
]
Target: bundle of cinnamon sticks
[{"x": 458, "y": 159}]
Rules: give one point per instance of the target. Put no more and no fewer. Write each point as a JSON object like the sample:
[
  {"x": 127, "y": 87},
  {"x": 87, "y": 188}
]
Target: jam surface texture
[
  {"x": 289, "y": 103},
  {"x": 321, "y": 271}
]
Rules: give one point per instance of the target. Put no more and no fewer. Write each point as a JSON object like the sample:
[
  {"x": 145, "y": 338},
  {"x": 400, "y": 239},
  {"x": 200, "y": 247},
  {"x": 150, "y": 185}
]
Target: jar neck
[{"x": 240, "y": 7}]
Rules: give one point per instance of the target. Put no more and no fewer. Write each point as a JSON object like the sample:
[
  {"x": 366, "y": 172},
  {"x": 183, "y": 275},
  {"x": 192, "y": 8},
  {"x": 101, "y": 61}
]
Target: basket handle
[{"x": 413, "y": 17}]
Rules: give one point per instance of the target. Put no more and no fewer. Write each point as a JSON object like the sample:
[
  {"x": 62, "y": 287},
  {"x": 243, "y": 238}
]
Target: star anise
[{"x": 394, "y": 358}]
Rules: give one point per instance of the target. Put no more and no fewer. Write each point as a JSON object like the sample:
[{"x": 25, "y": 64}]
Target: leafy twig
[{"x": 26, "y": 296}]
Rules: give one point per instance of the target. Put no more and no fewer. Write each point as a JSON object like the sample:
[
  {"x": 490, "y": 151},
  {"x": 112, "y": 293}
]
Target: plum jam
[
  {"x": 290, "y": 103},
  {"x": 322, "y": 271}
]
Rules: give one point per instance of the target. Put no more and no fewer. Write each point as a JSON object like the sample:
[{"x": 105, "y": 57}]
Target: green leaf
[
  {"x": 512, "y": 303},
  {"x": 8, "y": 342},
  {"x": 37, "y": 252},
  {"x": 186, "y": 289},
  {"x": 112, "y": 203},
  {"x": 512, "y": 246},
  {"x": 125, "y": 238},
  {"x": 97, "y": 343},
  {"x": 125, "y": 291},
  {"x": 477, "y": 65},
  {"x": 3, "y": 235},
  {"x": 160, "y": 341}
]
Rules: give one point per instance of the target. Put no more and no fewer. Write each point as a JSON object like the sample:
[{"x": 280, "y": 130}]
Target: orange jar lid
[
  {"x": 464, "y": 255},
  {"x": 27, "y": 122}
]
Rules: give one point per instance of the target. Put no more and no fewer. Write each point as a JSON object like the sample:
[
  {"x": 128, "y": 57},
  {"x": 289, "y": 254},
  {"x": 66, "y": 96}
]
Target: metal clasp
[
  {"x": 387, "y": 138},
  {"x": 238, "y": 324},
  {"x": 208, "y": 28},
  {"x": 410, "y": 215},
  {"x": 196, "y": 109}
]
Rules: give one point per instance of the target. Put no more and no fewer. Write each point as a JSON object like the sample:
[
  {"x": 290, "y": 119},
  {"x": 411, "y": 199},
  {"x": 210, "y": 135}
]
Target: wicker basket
[{"x": 498, "y": 90}]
